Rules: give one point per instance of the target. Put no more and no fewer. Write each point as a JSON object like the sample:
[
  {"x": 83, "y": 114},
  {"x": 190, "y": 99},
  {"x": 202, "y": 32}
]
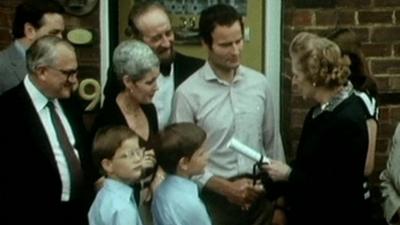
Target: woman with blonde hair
[{"x": 325, "y": 181}]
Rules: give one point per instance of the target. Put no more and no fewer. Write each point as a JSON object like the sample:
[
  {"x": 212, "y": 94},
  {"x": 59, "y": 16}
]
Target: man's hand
[
  {"x": 241, "y": 192},
  {"x": 248, "y": 193}
]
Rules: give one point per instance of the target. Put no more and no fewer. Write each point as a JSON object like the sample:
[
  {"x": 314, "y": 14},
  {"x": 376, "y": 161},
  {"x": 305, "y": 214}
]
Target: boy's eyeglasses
[{"x": 137, "y": 153}]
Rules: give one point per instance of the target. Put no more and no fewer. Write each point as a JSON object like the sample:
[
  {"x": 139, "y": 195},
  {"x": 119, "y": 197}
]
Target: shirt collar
[
  {"x": 39, "y": 100},
  {"x": 124, "y": 190},
  {"x": 183, "y": 182},
  {"x": 210, "y": 75},
  {"x": 334, "y": 101}
]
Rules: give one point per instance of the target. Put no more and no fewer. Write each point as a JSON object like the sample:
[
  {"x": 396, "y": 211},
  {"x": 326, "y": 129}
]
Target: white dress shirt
[
  {"x": 163, "y": 98},
  {"x": 242, "y": 109}
]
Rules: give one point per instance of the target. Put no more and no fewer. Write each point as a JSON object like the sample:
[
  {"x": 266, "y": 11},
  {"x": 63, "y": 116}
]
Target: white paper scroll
[{"x": 247, "y": 151}]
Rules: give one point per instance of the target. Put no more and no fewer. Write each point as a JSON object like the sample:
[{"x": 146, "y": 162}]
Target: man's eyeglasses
[{"x": 67, "y": 73}]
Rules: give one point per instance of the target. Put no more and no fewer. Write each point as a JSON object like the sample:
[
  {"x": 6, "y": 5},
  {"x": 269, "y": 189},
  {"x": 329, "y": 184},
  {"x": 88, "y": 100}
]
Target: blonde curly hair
[{"x": 320, "y": 60}]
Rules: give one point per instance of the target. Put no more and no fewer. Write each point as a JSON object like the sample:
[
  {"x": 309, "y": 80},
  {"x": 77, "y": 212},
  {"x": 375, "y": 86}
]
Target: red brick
[
  {"x": 288, "y": 3},
  {"x": 10, "y": 4},
  {"x": 374, "y": 50},
  {"x": 346, "y": 17},
  {"x": 293, "y": 151},
  {"x": 394, "y": 70},
  {"x": 353, "y": 3},
  {"x": 386, "y": 129},
  {"x": 287, "y": 70},
  {"x": 5, "y": 20},
  {"x": 382, "y": 145},
  {"x": 5, "y": 36},
  {"x": 385, "y": 34},
  {"x": 288, "y": 17},
  {"x": 88, "y": 54},
  {"x": 394, "y": 83},
  {"x": 298, "y": 116},
  {"x": 295, "y": 132},
  {"x": 394, "y": 114},
  {"x": 362, "y": 33},
  {"x": 373, "y": 17},
  {"x": 88, "y": 71},
  {"x": 384, "y": 114},
  {"x": 289, "y": 34},
  {"x": 397, "y": 16},
  {"x": 386, "y": 3},
  {"x": 303, "y": 18},
  {"x": 299, "y": 103},
  {"x": 396, "y": 48},
  {"x": 382, "y": 82},
  {"x": 326, "y": 17},
  {"x": 384, "y": 66}
]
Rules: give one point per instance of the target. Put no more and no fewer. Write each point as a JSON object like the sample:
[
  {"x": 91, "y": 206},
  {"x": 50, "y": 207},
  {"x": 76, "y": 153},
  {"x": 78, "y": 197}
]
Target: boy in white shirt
[{"x": 117, "y": 152}]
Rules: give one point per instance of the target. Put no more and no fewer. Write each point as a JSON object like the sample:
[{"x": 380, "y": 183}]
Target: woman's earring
[
  {"x": 131, "y": 91},
  {"x": 314, "y": 84}
]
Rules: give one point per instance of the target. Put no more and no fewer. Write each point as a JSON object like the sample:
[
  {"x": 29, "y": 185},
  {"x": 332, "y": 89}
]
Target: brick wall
[
  {"x": 377, "y": 22},
  {"x": 88, "y": 55}
]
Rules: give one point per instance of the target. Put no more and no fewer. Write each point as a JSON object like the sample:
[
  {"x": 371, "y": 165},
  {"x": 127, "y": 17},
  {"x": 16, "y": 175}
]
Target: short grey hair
[
  {"x": 134, "y": 59},
  {"x": 43, "y": 52}
]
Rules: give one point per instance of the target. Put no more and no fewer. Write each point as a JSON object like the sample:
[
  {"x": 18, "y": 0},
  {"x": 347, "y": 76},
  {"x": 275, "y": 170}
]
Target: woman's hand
[
  {"x": 149, "y": 160},
  {"x": 99, "y": 183},
  {"x": 277, "y": 170}
]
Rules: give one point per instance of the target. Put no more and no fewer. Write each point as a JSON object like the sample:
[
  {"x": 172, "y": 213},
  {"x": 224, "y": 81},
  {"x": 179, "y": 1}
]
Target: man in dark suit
[
  {"x": 46, "y": 158},
  {"x": 149, "y": 22},
  {"x": 33, "y": 19}
]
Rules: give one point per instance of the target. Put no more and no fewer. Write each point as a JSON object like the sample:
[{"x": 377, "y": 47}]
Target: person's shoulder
[
  {"x": 180, "y": 57},
  {"x": 255, "y": 78},
  {"x": 13, "y": 93},
  {"x": 5, "y": 56},
  {"x": 8, "y": 52},
  {"x": 7, "y": 49},
  {"x": 351, "y": 109},
  {"x": 252, "y": 74},
  {"x": 192, "y": 81},
  {"x": 370, "y": 104}
]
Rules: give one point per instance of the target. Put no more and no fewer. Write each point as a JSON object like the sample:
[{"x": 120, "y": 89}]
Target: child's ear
[
  {"x": 184, "y": 164},
  {"x": 107, "y": 165}
]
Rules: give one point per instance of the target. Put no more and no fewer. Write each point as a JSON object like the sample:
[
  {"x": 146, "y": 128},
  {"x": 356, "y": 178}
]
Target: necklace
[{"x": 127, "y": 106}]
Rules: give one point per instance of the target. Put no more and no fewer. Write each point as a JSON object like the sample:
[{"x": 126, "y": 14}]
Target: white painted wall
[
  {"x": 273, "y": 51},
  {"x": 105, "y": 45}
]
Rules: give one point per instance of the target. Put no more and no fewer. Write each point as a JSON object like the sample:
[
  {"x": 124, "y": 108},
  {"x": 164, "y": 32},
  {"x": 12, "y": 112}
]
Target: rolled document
[{"x": 247, "y": 151}]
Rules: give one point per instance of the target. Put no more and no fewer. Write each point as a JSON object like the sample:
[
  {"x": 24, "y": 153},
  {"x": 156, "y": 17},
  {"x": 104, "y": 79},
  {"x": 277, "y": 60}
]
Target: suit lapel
[
  {"x": 33, "y": 122},
  {"x": 178, "y": 77}
]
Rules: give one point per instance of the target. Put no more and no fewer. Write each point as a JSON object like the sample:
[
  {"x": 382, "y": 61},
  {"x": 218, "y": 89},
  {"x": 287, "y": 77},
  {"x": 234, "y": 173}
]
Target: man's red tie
[{"x": 73, "y": 163}]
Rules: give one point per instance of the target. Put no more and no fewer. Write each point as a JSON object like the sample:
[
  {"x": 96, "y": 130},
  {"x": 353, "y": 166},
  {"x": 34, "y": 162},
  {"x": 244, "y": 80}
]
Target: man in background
[{"x": 33, "y": 19}]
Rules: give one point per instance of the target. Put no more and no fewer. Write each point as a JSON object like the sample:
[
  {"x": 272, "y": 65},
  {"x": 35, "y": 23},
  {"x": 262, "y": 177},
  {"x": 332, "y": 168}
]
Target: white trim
[
  {"x": 272, "y": 64},
  {"x": 104, "y": 44}
]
